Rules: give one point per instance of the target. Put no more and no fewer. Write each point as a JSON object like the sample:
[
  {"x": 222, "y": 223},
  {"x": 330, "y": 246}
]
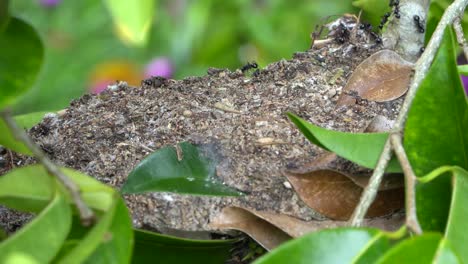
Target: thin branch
[
  {"x": 86, "y": 215},
  {"x": 410, "y": 184},
  {"x": 420, "y": 71},
  {"x": 460, "y": 36}
]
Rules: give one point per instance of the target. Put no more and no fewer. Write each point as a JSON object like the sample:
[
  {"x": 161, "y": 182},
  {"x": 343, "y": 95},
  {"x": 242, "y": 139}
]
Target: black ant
[
  {"x": 342, "y": 33},
  {"x": 256, "y": 73},
  {"x": 396, "y": 5},
  {"x": 376, "y": 36},
  {"x": 422, "y": 49},
  {"x": 155, "y": 81},
  {"x": 249, "y": 65},
  {"x": 384, "y": 20},
  {"x": 419, "y": 24}
]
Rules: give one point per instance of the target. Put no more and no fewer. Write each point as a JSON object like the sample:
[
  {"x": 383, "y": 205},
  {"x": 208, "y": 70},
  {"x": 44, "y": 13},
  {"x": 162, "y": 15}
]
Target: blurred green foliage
[{"x": 80, "y": 35}]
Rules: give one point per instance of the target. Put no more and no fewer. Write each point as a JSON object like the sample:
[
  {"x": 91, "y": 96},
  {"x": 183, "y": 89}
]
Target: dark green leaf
[
  {"x": 418, "y": 249},
  {"x": 170, "y": 250},
  {"x": 341, "y": 245},
  {"x": 41, "y": 239},
  {"x": 361, "y": 148},
  {"x": 21, "y": 54},
  {"x": 456, "y": 223},
  {"x": 191, "y": 171},
  {"x": 133, "y": 19},
  {"x": 3, "y": 234},
  {"x": 441, "y": 139},
  {"x": 29, "y": 189},
  {"x": 105, "y": 236},
  {"x": 445, "y": 254},
  {"x": 4, "y": 16}
]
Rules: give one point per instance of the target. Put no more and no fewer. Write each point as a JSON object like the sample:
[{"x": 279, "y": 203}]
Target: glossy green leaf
[
  {"x": 435, "y": 134},
  {"x": 340, "y": 245},
  {"x": 361, "y": 148},
  {"x": 21, "y": 54},
  {"x": 463, "y": 69},
  {"x": 29, "y": 189},
  {"x": 170, "y": 249},
  {"x": 133, "y": 19},
  {"x": 41, "y": 239},
  {"x": 191, "y": 171},
  {"x": 109, "y": 240},
  {"x": 456, "y": 222},
  {"x": 445, "y": 254},
  {"x": 418, "y": 249}
]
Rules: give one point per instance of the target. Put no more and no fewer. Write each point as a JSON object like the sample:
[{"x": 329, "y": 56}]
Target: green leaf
[
  {"x": 132, "y": 19},
  {"x": 445, "y": 254},
  {"x": 373, "y": 9},
  {"x": 435, "y": 134},
  {"x": 463, "y": 69},
  {"x": 8, "y": 140},
  {"x": 109, "y": 240},
  {"x": 3, "y": 235},
  {"x": 27, "y": 188},
  {"x": 361, "y": 148},
  {"x": 418, "y": 249},
  {"x": 4, "y": 16},
  {"x": 30, "y": 188},
  {"x": 340, "y": 245},
  {"x": 27, "y": 121},
  {"x": 456, "y": 223},
  {"x": 41, "y": 239},
  {"x": 21, "y": 54},
  {"x": 117, "y": 245},
  {"x": 192, "y": 171},
  {"x": 179, "y": 250}
]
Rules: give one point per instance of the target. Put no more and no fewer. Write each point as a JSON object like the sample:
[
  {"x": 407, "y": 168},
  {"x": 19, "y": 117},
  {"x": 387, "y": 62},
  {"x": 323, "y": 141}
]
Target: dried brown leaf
[
  {"x": 382, "y": 77},
  {"x": 266, "y": 234},
  {"x": 260, "y": 223},
  {"x": 335, "y": 194}
]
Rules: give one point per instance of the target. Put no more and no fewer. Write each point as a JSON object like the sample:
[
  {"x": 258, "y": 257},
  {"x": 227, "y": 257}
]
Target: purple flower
[
  {"x": 465, "y": 83},
  {"x": 160, "y": 66},
  {"x": 49, "y": 3}
]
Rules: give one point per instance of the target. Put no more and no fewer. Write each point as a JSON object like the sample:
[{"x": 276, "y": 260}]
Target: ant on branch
[
  {"x": 249, "y": 66},
  {"x": 396, "y": 7},
  {"x": 384, "y": 20},
  {"x": 419, "y": 24}
]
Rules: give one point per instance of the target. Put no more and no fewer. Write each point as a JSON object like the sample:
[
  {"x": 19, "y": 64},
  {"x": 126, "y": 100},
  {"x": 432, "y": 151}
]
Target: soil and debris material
[{"x": 241, "y": 115}]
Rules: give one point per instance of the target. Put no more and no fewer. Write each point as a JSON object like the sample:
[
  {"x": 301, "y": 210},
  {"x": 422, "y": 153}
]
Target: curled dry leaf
[
  {"x": 259, "y": 225},
  {"x": 382, "y": 77},
  {"x": 335, "y": 194}
]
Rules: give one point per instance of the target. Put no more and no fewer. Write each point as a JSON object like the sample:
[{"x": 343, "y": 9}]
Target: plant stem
[
  {"x": 86, "y": 214},
  {"x": 460, "y": 37},
  {"x": 420, "y": 71},
  {"x": 410, "y": 183}
]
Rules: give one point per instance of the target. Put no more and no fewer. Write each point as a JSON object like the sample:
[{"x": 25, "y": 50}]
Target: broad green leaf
[
  {"x": 27, "y": 188},
  {"x": 191, "y": 171},
  {"x": 41, "y": 239},
  {"x": 133, "y": 19},
  {"x": 340, "y": 245},
  {"x": 445, "y": 254},
  {"x": 105, "y": 236},
  {"x": 21, "y": 54},
  {"x": 361, "y": 148},
  {"x": 150, "y": 247},
  {"x": 418, "y": 249},
  {"x": 4, "y": 16},
  {"x": 463, "y": 69},
  {"x": 30, "y": 189},
  {"x": 435, "y": 134},
  {"x": 117, "y": 243},
  {"x": 456, "y": 222}
]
